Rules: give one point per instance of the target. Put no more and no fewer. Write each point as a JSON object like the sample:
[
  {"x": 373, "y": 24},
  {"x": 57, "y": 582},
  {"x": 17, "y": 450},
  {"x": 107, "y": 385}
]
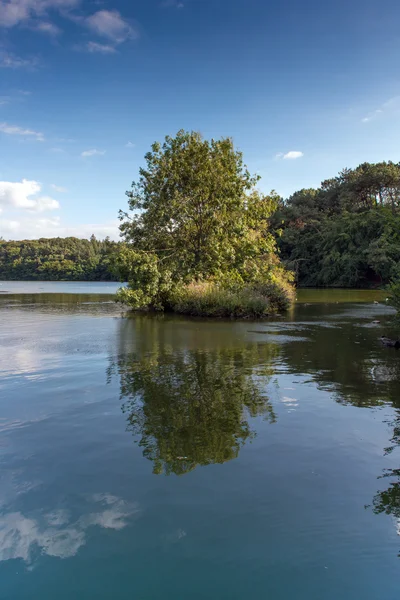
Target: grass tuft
[{"x": 209, "y": 299}]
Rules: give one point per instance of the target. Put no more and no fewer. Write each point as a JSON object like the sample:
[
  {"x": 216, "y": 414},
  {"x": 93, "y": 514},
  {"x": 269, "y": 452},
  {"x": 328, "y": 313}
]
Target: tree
[
  {"x": 196, "y": 216},
  {"x": 363, "y": 188}
]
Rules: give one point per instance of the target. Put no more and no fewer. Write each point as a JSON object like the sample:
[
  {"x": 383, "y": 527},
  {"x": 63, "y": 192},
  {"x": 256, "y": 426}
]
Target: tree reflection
[
  {"x": 190, "y": 407},
  {"x": 388, "y": 501}
]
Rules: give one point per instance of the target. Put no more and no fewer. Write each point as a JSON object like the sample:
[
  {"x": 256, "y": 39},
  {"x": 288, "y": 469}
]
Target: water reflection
[
  {"x": 61, "y": 303},
  {"x": 55, "y": 533},
  {"x": 190, "y": 406},
  {"x": 388, "y": 501},
  {"x": 344, "y": 356},
  {"x": 342, "y": 353},
  {"x": 188, "y": 391}
]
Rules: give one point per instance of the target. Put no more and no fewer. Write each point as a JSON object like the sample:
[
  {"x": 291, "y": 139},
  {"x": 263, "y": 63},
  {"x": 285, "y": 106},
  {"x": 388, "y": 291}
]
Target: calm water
[{"x": 149, "y": 458}]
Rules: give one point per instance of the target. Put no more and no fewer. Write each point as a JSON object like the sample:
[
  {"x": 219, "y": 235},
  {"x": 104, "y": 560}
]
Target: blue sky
[{"x": 305, "y": 88}]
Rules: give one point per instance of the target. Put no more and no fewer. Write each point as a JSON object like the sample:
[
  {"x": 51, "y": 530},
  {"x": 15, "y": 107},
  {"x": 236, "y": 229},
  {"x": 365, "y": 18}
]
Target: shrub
[{"x": 211, "y": 299}]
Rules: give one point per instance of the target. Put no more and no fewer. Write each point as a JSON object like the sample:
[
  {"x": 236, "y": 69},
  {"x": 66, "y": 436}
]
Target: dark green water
[{"x": 149, "y": 458}]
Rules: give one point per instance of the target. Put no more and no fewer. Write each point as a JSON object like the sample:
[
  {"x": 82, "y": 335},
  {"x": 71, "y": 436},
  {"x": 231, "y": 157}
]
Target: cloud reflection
[{"x": 55, "y": 534}]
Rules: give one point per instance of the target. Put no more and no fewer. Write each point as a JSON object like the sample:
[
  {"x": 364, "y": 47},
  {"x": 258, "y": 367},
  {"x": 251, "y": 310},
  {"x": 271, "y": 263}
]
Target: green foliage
[
  {"x": 150, "y": 285},
  {"x": 197, "y": 218},
  {"x": 394, "y": 296},
  {"x": 347, "y": 232},
  {"x": 55, "y": 259}
]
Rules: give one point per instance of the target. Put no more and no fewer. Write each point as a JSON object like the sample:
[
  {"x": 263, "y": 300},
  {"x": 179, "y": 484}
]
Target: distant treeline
[
  {"x": 53, "y": 259},
  {"x": 346, "y": 233}
]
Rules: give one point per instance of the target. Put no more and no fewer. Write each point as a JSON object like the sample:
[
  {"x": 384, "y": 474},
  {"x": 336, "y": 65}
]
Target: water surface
[{"x": 152, "y": 458}]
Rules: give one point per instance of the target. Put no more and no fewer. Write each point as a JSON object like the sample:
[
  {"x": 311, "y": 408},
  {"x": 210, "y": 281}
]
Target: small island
[{"x": 197, "y": 238}]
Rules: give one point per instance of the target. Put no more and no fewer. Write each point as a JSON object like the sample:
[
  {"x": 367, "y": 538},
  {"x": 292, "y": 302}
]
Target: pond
[{"x": 156, "y": 457}]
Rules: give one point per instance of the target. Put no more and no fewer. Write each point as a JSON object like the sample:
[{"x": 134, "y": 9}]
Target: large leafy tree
[{"x": 194, "y": 215}]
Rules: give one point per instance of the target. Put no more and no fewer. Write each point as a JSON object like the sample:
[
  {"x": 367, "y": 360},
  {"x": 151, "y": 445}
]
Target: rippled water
[{"x": 152, "y": 458}]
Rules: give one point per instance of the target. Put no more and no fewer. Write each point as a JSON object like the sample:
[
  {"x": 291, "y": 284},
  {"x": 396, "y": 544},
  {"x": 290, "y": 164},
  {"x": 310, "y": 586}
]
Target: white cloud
[
  {"x": 46, "y": 203},
  {"x": 392, "y": 104},
  {"x": 58, "y": 188},
  {"x": 110, "y": 24},
  {"x": 129, "y": 145},
  {"x": 12, "y": 13},
  {"x": 18, "y": 535},
  {"x": 8, "y": 226},
  {"x": 34, "y": 14},
  {"x": 33, "y": 228},
  {"x": 11, "y": 61},
  {"x": 28, "y": 229},
  {"x": 292, "y": 155},
  {"x": 46, "y": 27},
  {"x": 372, "y": 116},
  {"x": 113, "y": 517},
  {"x": 101, "y": 48},
  {"x": 60, "y": 543},
  {"x": 93, "y": 152},
  {"x": 15, "y": 12},
  {"x": 18, "y": 195},
  {"x": 172, "y": 4},
  {"x": 21, "y": 205},
  {"x": 290, "y": 402},
  {"x": 391, "y": 107},
  {"x": 54, "y": 534},
  {"x": 58, "y": 517},
  {"x": 15, "y": 130}
]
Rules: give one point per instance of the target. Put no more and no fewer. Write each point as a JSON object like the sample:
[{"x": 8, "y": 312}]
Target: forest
[
  {"x": 346, "y": 233},
  {"x": 58, "y": 259}
]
